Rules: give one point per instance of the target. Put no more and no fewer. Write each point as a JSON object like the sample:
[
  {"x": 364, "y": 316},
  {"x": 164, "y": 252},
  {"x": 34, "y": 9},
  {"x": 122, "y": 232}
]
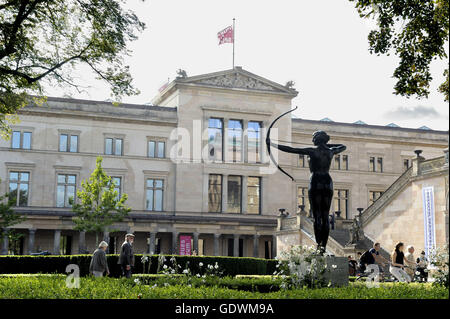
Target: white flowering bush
[
  {"x": 440, "y": 259},
  {"x": 301, "y": 267}
]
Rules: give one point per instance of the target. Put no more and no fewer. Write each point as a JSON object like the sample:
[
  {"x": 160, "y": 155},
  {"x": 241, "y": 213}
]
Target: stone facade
[
  {"x": 185, "y": 106},
  {"x": 401, "y": 218}
]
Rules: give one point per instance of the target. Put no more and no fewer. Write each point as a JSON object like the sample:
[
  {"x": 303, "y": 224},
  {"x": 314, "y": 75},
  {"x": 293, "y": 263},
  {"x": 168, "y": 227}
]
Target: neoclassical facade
[{"x": 194, "y": 163}]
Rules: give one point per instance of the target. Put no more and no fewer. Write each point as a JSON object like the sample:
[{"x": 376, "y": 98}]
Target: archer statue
[{"x": 320, "y": 190}]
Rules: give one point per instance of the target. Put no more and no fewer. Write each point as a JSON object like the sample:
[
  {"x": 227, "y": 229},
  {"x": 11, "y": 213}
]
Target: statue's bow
[{"x": 268, "y": 143}]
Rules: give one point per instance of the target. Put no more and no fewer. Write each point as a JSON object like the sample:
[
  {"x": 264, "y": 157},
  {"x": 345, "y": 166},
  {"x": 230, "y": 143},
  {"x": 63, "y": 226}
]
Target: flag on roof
[{"x": 226, "y": 35}]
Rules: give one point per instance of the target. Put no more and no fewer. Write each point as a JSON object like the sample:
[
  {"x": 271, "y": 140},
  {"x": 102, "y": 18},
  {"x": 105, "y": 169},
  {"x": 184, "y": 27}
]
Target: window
[
  {"x": 373, "y": 196},
  {"x": 337, "y": 162},
  {"x": 254, "y": 195},
  {"x": 341, "y": 162},
  {"x": 303, "y": 160},
  {"x": 113, "y": 146},
  {"x": 406, "y": 164},
  {"x": 234, "y": 193},
  {"x": 117, "y": 185},
  {"x": 68, "y": 143},
  {"x": 21, "y": 140},
  {"x": 380, "y": 164},
  {"x": 341, "y": 202},
  {"x": 302, "y": 198},
  {"x": 215, "y": 139},
  {"x": 66, "y": 190},
  {"x": 376, "y": 164},
  {"x": 215, "y": 193},
  {"x": 154, "y": 194},
  {"x": 254, "y": 142},
  {"x": 235, "y": 140},
  {"x": 156, "y": 149},
  {"x": 18, "y": 188},
  {"x": 345, "y": 162}
]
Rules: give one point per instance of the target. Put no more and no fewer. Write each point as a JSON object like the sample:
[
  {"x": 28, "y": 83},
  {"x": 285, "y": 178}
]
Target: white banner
[{"x": 428, "y": 219}]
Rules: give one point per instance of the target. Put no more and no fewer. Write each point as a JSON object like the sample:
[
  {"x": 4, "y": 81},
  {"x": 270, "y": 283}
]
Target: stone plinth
[{"x": 337, "y": 271}]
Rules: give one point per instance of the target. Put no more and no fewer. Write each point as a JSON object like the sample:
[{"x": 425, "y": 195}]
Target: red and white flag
[{"x": 226, "y": 35}]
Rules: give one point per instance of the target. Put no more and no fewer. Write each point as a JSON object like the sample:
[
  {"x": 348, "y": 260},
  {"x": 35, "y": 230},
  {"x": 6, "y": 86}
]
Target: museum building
[{"x": 194, "y": 164}]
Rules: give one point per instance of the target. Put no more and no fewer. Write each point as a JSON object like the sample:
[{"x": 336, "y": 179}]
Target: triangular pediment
[{"x": 237, "y": 78}]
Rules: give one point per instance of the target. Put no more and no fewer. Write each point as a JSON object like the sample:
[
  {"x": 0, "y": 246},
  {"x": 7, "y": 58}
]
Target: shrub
[
  {"x": 54, "y": 287},
  {"x": 302, "y": 266},
  {"x": 440, "y": 259},
  {"x": 230, "y": 266}
]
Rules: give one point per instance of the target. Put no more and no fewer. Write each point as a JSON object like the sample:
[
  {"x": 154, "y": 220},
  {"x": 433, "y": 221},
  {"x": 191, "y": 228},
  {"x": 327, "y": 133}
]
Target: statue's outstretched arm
[
  {"x": 337, "y": 148},
  {"x": 288, "y": 149}
]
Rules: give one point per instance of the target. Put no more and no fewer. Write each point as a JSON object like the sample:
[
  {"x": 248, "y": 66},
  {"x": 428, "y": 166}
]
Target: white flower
[
  {"x": 204, "y": 276},
  {"x": 166, "y": 284},
  {"x": 185, "y": 271},
  {"x": 200, "y": 264},
  {"x": 216, "y": 266},
  {"x": 198, "y": 275},
  {"x": 154, "y": 286},
  {"x": 136, "y": 281},
  {"x": 189, "y": 285},
  {"x": 417, "y": 273},
  {"x": 334, "y": 266},
  {"x": 165, "y": 266}
]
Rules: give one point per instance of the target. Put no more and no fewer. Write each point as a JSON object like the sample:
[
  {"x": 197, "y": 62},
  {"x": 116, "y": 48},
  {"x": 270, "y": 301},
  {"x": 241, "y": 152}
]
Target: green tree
[
  {"x": 45, "y": 40},
  {"x": 8, "y": 217},
  {"x": 98, "y": 205},
  {"x": 417, "y": 32}
]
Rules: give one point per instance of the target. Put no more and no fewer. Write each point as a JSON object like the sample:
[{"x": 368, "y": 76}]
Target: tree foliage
[
  {"x": 98, "y": 205},
  {"x": 8, "y": 217},
  {"x": 417, "y": 31},
  {"x": 45, "y": 40}
]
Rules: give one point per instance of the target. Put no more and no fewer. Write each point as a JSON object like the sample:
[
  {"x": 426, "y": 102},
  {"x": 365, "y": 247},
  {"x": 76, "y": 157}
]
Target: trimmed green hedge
[
  {"x": 54, "y": 287},
  {"x": 230, "y": 266}
]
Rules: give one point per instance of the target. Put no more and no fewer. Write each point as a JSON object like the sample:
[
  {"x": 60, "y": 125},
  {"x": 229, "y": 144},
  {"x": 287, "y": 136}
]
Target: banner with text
[
  {"x": 428, "y": 219},
  {"x": 185, "y": 245}
]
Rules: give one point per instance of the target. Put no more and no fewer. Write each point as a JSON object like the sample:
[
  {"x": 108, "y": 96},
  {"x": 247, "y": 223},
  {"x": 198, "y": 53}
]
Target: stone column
[
  {"x": 216, "y": 244},
  {"x": 236, "y": 245},
  {"x": 5, "y": 243},
  {"x": 195, "y": 240},
  {"x": 244, "y": 194},
  {"x": 174, "y": 243},
  {"x": 274, "y": 246},
  {"x": 224, "y": 193},
  {"x": 256, "y": 245},
  {"x": 106, "y": 236},
  {"x": 31, "y": 237},
  {"x": 82, "y": 242},
  {"x": 57, "y": 242},
  {"x": 152, "y": 246}
]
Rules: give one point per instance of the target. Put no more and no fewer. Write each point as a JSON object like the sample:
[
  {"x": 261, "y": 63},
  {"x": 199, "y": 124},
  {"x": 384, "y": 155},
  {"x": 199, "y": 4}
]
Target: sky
[{"x": 321, "y": 45}]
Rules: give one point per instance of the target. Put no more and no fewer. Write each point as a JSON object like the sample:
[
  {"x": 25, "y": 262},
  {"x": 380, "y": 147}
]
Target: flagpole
[{"x": 234, "y": 40}]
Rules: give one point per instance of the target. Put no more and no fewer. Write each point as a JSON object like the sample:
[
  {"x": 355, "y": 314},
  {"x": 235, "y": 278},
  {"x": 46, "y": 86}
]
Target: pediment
[{"x": 237, "y": 79}]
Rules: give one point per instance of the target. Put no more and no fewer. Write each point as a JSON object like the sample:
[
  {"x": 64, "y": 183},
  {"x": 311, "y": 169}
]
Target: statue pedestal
[{"x": 337, "y": 271}]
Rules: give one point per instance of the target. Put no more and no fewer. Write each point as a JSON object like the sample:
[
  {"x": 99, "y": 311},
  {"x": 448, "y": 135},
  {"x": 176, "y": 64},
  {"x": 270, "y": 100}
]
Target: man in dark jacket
[
  {"x": 99, "y": 263},
  {"x": 126, "y": 258}
]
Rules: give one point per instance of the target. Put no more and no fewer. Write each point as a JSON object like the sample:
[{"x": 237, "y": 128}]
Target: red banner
[
  {"x": 226, "y": 35},
  {"x": 185, "y": 245}
]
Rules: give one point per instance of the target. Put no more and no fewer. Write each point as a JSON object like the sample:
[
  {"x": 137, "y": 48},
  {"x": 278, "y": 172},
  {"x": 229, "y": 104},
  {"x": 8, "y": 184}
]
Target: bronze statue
[{"x": 321, "y": 185}]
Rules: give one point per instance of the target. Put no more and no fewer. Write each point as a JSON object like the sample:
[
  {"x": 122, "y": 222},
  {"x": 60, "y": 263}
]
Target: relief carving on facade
[{"x": 237, "y": 80}]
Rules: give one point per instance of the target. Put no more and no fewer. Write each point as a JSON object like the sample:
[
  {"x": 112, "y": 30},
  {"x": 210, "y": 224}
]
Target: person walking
[
  {"x": 99, "y": 264},
  {"x": 412, "y": 261},
  {"x": 126, "y": 257},
  {"x": 398, "y": 261}
]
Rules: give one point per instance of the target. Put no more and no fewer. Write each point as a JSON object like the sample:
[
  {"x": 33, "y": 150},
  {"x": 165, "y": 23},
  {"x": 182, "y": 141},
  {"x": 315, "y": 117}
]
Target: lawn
[{"x": 185, "y": 287}]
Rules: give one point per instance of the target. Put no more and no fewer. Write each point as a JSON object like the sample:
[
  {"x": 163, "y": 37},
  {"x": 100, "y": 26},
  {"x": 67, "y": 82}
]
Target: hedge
[
  {"x": 230, "y": 266},
  {"x": 54, "y": 287}
]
